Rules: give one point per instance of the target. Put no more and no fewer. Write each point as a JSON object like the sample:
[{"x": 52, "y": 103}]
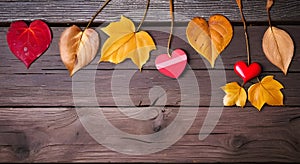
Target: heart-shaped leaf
[
  {"x": 209, "y": 38},
  {"x": 278, "y": 47},
  {"x": 28, "y": 43},
  {"x": 78, "y": 48},
  {"x": 124, "y": 42}
]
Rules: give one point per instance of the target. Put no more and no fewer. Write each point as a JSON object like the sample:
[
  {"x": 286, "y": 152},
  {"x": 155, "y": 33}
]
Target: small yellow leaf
[
  {"x": 278, "y": 47},
  {"x": 124, "y": 42},
  {"x": 78, "y": 48},
  {"x": 235, "y": 95},
  {"x": 266, "y": 91},
  {"x": 209, "y": 38}
]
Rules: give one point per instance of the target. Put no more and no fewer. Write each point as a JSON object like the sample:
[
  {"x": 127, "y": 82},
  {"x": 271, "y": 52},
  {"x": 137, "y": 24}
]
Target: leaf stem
[
  {"x": 171, "y": 28},
  {"x": 268, "y": 7},
  {"x": 97, "y": 13},
  {"x": 243, "y": 84},
  {"x": 269, "y": 17},
  {"x": 245, "y": 30},
  {"x": 144, "y": 16},
  {"x": 257, "y": 79}
]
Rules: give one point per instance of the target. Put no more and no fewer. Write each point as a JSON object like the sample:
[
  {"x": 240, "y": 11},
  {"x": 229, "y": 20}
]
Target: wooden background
[{"x": 39, "y": 123}]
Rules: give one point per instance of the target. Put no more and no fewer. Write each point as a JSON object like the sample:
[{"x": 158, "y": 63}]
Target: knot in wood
[
  {"x": 22, "y": 152},
  {"x": 237, "y": 141}
]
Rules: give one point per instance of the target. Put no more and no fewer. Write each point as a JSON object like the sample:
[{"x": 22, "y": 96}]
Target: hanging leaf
[
  {"x": 28, "y": 43},
  {"x": 78, "y": 48},
  {"x": 209, "y": 38},
  {"x": 278, "y": 47},
  {"x": 235, "y": 95},
  {"x": 265, "y": 91},
  {"x": 124, "y": 42}
]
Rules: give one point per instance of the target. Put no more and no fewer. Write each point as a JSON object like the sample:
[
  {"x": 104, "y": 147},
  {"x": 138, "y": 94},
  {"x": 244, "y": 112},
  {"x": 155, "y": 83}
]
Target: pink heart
[
  {"x": 28, "y": 43},
  {"x": 171, "y": 66}
]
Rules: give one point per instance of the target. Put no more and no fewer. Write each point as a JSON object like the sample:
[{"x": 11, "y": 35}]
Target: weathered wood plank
[
  {"x": 55, "y": 89},
  {"x": 38, "y": 121},
  {"x": 241, "y": 135},
  {"x": 59, "y": 11},
  {"x": 48, "y": 78},
  {"x": 234, "y": 52}
]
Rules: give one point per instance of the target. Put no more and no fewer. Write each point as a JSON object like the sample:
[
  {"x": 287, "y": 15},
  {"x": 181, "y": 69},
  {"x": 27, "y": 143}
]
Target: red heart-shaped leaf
[
  {"x": 247, "y": 72},
  {"x": 171, "y": 66},
  {"x": 28, "y": 43}
]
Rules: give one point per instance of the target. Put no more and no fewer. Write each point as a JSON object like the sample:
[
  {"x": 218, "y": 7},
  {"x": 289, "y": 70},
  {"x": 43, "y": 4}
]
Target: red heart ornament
[
  {"x": 28, "y": 43},
  {"x": 171, "y": 66},
  {"x": 247, "y": 72}
]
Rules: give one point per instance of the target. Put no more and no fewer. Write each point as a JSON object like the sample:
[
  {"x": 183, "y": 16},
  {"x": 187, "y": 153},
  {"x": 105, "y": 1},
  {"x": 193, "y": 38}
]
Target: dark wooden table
[{"x": 40, "y": 120}]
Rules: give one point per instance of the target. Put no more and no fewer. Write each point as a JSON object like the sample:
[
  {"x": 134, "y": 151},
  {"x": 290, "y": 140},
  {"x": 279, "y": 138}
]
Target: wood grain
[
  {"x": 236, "y": 50},
  {"x": 40, "y": 108},
  {"x": 56, "y": 135},
  {"x": 77, "y": 11},
  {"x": 48, "y": 77},
  {"x": 55, "y": 89}
]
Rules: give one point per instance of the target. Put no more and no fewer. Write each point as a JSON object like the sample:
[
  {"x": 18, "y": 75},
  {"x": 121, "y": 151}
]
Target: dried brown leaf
[
  {"x": 278, "y": 47},
  {"x": 78, "y": 48}
]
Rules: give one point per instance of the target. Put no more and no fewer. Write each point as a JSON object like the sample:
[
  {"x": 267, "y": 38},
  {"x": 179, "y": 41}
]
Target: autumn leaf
[
  {"x": 78, "y": 48},
  {"x": 278, "y": 47},
  {"x": 28, "y": 43},
  {"x": 124, "y": 42},
  {"x": 209, "y": 38},
  {"x": 235, "y": 95},
  {"x": 265, "y": 91},
  {"x": 277, "y": 44}
]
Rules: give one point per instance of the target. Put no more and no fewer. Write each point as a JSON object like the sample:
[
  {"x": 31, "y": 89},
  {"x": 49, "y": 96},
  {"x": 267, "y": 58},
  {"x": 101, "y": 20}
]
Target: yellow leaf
[
  {"x": 278, "y": 47},
  {"x": 78, "y": 48},
  {"x": 235, "y": 95},
  {"x": 209, "y": 38},
  {"x": 124, "y": 42},
  {"x": 265, "y": 91}
]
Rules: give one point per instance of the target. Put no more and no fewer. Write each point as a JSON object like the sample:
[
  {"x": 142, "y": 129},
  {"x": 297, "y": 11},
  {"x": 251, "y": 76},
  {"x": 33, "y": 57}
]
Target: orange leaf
[
  {"x": 209, "y": 38},
  {"x": 235, "y": 95},
  {"x": 265, "y": 91},
  {"x": 124, "y": 42},
  {"x": 278, "y": 47},
  {"x": 78, "y": 48}
]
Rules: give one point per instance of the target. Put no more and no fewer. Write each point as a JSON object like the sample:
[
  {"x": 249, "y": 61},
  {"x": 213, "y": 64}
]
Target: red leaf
[{"x": 28, "y": 43}]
